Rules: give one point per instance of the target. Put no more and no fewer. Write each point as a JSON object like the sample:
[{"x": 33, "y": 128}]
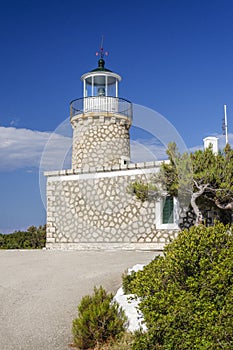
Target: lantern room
[
  {"x": 100, "y": 95},
  {"x": 100, "y": 82}
]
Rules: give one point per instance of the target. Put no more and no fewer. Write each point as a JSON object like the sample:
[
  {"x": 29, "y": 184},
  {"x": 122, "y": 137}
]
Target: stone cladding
[
  {"x": 100, "y": 140},
  {"x": 92, "y": 209}
]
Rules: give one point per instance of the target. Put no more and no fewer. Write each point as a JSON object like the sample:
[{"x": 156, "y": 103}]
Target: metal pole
[
  {"x": 225, "y": 119},
  {"x": 106, "y": 86},
  {"x": 84, "y": 88},
  {"x": 116, "y": 88}
]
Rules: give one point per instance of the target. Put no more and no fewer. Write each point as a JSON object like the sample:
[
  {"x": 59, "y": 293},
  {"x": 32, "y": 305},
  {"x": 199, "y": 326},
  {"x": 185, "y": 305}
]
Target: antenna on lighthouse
[{"x": 225, "y": 132}]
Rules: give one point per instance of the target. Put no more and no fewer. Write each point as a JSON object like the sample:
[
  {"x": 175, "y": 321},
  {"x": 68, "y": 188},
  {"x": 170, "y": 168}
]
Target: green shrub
[
  {"x": 99, "y": 320},
  {"x": 143, "y": 191},
  {"x": 187, "y": 293},
  {"x": 127, "y": 279}
]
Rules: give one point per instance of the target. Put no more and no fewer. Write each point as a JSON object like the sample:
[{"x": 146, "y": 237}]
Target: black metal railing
[{"x": 105, "y": 104}]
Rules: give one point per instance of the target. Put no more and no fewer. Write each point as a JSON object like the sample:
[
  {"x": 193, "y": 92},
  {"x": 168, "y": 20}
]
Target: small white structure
[{"x": 211, "y": 140}]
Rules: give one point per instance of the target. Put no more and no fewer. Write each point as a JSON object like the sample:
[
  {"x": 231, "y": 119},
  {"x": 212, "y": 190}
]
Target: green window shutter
[{"x": 168, "y": 206}]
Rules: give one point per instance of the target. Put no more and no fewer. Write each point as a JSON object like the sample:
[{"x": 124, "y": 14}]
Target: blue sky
[{"x": 175, "y": 57}]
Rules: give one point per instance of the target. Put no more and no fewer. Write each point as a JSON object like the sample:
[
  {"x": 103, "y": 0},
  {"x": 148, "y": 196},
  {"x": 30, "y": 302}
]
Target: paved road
[{"x": 40, "y": 291}]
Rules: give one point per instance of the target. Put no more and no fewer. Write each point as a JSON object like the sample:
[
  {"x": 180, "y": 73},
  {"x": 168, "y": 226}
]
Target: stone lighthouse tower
[{"x": 100, "y": 121}]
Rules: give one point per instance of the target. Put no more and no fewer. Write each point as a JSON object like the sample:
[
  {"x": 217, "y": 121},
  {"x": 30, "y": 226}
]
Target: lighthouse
[
  {"x": 101, "y": 121},
  {"x": 90, "y": 206}
]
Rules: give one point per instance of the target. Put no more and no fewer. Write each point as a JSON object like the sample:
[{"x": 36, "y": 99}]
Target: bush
[
  {"x": 127, "y": 279},
  {"x": 187, "y": 293},
  {"x": 99, "y": 321},
  {"x": 143, "y": 191}
]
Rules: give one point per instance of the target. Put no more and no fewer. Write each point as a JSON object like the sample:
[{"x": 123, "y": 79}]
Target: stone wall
[
  {"x": 100, "y": 140},
  {"x": 94, "y": 210}
]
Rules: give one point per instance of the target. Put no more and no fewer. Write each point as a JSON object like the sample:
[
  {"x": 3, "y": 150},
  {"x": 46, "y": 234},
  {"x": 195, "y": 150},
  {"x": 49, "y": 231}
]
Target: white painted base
[{"x": 105, "y": 246}]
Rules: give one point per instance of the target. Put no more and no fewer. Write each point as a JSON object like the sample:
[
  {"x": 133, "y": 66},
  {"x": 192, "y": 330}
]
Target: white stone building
[{"x": 88, "y": 206}]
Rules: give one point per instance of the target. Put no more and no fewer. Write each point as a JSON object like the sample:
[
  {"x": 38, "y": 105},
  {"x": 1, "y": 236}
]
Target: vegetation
[
  {"x": 123, "y": 343},
  {"x": 207, "y": 178},
  {"x": 187, "y": 293},
  {"x": 33, "y": 238},
  {"x": 100, "y": 320},
  {"x": 202, "y": 180},
  {"x": 143, "y": 191}
]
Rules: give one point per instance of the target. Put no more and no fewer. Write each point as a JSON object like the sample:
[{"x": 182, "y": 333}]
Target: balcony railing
[{"x": 105, "y": 104}]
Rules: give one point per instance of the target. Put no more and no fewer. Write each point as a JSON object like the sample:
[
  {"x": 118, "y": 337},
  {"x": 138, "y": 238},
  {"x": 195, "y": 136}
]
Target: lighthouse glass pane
[
  {"x": 112, "y": 90},
  {"x": 88, "y": 90},
  {"x": 99, "y": 86},
  {"x": 99, "y": 90},
  {"x": 99, "y": 80}
]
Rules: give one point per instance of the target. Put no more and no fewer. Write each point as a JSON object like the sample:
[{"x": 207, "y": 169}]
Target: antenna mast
[{"x": 225, "y": 123}]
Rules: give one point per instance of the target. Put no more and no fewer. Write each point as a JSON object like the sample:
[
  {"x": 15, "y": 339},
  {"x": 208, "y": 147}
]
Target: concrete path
[{"x": 40, "y": 291}]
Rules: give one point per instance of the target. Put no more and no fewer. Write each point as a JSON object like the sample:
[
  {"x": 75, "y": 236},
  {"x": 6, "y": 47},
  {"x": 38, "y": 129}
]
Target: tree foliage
[
  {"x": 216, "y": 171},
  {"x": 201, "y": 180},
  {"x": 208, "y": 178},
  {"x": 33, "y": 238},
  {"x": 187, "y": 293},
  {"x": 143, "y": 191}
]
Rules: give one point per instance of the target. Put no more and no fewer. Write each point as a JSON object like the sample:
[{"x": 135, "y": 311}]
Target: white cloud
[
  {"x": 147, "y": 150},
  {"x": 23, "y": 148}
]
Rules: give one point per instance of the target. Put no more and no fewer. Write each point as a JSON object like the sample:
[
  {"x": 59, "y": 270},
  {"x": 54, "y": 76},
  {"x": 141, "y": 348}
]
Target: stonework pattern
[
  {"x": 100, "y": 141},
  {"x": 98, "y": 209}
]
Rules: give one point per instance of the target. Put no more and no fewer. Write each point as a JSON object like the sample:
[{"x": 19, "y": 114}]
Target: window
[
  {"x": 168, "y": 210},
  {"x": 167, "y": 213},
  {"x": 124, "y": 160}
]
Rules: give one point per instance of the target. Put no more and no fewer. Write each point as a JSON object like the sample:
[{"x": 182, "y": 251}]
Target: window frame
[{"x": 159, "y": 215}]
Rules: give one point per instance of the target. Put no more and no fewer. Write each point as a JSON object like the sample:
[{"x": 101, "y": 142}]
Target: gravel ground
[{"x": 40, "y": 291}]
